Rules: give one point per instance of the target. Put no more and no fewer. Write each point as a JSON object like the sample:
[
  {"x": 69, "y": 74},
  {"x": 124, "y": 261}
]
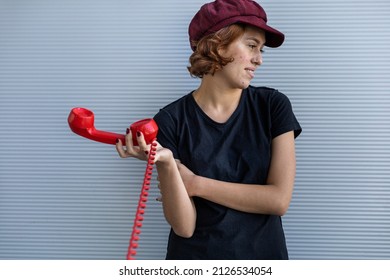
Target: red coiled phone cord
[{"x": 142, "y": 203}]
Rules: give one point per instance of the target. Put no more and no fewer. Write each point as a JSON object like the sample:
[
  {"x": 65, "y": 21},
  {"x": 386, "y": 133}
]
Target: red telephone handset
[{"x": 81, "y": 122}]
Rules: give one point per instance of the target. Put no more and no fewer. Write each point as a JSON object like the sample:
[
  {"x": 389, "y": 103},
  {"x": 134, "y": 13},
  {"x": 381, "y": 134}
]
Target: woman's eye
[{"x": 252, "y": 46}]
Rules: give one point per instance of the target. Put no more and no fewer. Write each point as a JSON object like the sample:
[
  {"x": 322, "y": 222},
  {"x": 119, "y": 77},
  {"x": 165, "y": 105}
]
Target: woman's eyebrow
[{"x": 252, "y": 38}]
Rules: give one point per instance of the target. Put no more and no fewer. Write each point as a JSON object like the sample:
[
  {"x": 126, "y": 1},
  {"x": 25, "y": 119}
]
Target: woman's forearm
[
  {"x": 179, "y": 208},
  {"x": 261, "y": 199}
]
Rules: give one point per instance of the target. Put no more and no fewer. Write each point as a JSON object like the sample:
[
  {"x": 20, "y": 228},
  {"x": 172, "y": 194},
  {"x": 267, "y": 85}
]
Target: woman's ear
[{"x": 222, "y": 50}]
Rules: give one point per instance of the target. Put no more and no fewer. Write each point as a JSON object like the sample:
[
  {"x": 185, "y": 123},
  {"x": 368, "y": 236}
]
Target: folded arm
[{"x": 272, "y": 198}]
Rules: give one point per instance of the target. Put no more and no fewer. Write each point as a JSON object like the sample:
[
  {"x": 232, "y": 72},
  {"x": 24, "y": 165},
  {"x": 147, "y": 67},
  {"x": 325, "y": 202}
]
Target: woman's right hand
[
  {"x": 130, "y": 150},
  {"x": 142, "y": 150}
]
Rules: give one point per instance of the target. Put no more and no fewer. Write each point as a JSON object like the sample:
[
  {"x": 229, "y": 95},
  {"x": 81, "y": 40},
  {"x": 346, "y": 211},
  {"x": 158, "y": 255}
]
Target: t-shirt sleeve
[
  {"x": 166, "y": 131},
  {"x": 282, "y": 116}
]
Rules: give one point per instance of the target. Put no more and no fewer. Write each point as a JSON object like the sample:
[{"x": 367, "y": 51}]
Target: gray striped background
[{"x": 65, "y": 197}]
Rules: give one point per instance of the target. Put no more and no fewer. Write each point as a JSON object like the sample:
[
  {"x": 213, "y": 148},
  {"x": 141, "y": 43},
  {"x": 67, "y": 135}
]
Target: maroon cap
[{"x": 218, "y": 14}]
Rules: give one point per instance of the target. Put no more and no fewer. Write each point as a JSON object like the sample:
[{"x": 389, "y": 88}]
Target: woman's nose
[{"x": 257, "y": 59}]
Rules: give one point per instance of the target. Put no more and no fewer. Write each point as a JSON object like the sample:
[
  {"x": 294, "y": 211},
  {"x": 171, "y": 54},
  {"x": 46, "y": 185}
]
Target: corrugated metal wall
[
  {"x": 64, "y": 197},
  {"x": 335, "y": 67}
]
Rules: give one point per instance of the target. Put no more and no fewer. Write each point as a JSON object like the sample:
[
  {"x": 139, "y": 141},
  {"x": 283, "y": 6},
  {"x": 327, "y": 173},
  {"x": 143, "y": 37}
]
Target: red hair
[{"x": 206, "y": 58}]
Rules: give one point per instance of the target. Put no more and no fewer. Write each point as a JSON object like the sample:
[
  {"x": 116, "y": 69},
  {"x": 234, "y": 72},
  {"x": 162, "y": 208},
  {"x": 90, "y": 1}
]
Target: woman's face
[{"x": 247, "y": 54}]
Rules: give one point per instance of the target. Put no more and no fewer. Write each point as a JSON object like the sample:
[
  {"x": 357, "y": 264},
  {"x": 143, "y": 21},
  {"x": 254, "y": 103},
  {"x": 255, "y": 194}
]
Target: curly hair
[{"x": 206, "y": 58}]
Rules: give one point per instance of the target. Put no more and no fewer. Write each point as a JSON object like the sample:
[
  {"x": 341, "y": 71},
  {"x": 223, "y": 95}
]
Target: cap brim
[{"x": 273, "y": 37}]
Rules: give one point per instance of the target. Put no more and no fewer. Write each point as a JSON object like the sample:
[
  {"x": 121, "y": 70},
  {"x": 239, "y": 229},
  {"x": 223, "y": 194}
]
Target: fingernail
[
  {"x": 138, "y": 133},
  {"x": 127, "y": 131}
]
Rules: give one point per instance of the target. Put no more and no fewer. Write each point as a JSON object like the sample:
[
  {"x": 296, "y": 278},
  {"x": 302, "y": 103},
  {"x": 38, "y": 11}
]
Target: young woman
[{"x": 226, "y": 156}]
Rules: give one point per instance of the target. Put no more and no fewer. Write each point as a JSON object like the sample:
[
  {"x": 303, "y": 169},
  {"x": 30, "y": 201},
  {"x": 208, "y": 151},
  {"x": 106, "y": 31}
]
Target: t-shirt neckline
[{"x": 210, "y": 120}]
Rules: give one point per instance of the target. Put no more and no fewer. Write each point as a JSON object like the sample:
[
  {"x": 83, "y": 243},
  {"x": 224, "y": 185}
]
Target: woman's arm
[
  {"x": 179, "y": 209},
  {"x": 273, "y": 198}
]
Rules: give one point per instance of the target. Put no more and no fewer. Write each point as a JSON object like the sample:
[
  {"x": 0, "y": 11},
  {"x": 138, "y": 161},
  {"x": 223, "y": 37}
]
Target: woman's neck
[{"x": 216, "y": 99}]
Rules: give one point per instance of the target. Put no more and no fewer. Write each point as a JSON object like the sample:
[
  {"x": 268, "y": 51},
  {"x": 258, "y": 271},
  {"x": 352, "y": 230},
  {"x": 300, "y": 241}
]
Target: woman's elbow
[
  {"x": 281, "y": 199},
  {"x": 185, "y": 232},
  {"x": 280, "y": 211},
  {"x": 282, "y": 207}
]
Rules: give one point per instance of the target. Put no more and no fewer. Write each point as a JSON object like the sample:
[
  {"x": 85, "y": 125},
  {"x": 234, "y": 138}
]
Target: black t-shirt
[{"x": 239, "y": 151}]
